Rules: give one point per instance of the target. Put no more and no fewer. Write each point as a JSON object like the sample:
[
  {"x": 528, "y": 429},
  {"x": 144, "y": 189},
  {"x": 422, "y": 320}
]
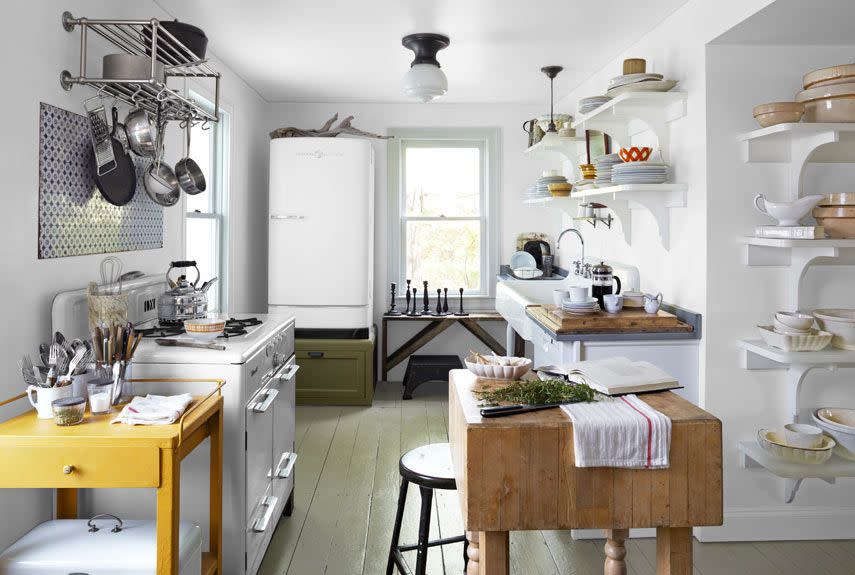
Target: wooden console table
[
  {"x": 437, "y": 325},
  {"x": 518, "y": 473},
  {"x": 97, "y": 454}
]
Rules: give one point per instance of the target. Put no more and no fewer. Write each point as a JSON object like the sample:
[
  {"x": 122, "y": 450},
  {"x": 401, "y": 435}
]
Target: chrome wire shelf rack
[{"x": 145, "y": 38}]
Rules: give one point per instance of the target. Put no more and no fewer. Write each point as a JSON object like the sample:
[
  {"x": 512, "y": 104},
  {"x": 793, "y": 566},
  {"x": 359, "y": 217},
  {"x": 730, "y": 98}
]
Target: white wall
[
  {"x": 517, "y": 174},
  {"x": 36, "y": 50}
]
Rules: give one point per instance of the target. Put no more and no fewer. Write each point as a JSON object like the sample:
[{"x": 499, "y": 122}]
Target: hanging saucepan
[
  {"x": 190, "y": 176},
  {"x": 119, "y": 184},
  {"x": 160, "y": 181}
]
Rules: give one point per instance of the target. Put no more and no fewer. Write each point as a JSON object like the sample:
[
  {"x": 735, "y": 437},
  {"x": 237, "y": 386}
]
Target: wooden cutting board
[{"x": 628, "y": 320}]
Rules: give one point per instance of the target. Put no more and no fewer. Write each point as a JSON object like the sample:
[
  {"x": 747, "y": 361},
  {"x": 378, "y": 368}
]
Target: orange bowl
[{"x": 635, "y": 154}]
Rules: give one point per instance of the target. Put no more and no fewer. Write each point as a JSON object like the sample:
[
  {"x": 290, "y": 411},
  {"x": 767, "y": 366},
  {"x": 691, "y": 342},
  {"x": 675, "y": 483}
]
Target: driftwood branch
[{"x": 325, "y": 131}]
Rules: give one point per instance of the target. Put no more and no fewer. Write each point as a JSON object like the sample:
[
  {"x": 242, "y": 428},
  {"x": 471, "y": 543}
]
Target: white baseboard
[
  {"x": 782, "y": 523},
  {"x": 764, "y": 524}
]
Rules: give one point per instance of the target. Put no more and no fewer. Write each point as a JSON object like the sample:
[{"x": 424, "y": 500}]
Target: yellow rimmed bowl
[{"x": 205, "y": 329}]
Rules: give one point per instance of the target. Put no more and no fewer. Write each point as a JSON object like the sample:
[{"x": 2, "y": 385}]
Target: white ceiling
[
  {"x": 350, "y": 50},
  {"x": 796, "y": 22}
]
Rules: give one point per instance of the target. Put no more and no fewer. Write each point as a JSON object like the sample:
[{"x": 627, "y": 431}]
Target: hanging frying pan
[{"x": 118, "y": 185}]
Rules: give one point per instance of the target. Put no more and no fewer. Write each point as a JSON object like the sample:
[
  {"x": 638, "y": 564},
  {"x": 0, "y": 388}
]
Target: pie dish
[{"x": 773, "y": 442}]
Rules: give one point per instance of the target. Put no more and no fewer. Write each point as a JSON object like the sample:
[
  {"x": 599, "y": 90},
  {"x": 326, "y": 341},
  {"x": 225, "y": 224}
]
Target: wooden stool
[
  {"x": 424, "y": 368},
  {"x": 429, "y": 467}
]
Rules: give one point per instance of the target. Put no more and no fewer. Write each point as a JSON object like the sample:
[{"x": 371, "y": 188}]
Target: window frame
[
  {"x": 218, "y": 184},
  {"x": 488, "y": 141}
]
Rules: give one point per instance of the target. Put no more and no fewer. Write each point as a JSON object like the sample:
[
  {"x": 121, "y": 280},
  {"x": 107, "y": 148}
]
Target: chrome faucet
[{"x": 581, "y": 241}]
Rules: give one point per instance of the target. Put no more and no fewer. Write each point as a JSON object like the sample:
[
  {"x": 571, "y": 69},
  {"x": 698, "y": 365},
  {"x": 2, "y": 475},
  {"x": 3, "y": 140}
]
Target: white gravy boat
[{"x": 787, "y": 213}]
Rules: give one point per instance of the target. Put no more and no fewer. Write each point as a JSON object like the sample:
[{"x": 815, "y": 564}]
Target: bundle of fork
[{"x": 62, "y": 360}]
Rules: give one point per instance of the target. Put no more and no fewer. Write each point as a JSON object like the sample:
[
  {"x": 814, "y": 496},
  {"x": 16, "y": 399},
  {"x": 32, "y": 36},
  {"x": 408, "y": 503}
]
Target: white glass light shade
[
  {"x": 425, "y": 82},
  {"x": 550, "y": 139}
]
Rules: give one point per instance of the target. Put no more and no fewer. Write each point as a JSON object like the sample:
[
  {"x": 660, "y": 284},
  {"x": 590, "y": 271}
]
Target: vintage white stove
[{"x": 260, "y": 369}]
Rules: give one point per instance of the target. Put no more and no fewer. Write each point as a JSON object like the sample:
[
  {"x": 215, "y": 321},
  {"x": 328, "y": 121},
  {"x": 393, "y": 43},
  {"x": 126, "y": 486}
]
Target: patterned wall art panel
[{"x": 74, "y": 219}]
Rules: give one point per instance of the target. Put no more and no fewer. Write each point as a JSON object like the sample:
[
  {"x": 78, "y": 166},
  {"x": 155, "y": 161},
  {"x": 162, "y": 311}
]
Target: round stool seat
[{"x": 429, "y": 465}]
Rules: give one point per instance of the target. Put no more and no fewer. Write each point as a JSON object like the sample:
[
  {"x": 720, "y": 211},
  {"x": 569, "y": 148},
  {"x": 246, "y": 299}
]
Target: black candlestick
[
  {"x": 426, "y": 300},
  {"x": 408, "y": 298},
  {"x": 438, "y": 301},
  {"x": 415, "y": 299},
  {"x": 445, "y": 303},
  {"x": 392, "y": 310},
  {"x": 461, "y": 312}
]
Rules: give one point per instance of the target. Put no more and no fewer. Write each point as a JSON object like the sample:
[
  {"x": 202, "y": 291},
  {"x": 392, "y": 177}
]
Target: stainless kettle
[{"x": 183, "y": 300}]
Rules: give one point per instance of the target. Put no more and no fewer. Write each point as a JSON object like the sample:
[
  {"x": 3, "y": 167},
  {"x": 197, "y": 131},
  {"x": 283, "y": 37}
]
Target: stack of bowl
[
  {"x": 829, "y": 94},
  {"x": 793, "y": 331},
  {"x": 797, "y": 443},
  {"x": 836, "y": 213},
  {"x": 560, "y": 189},
  {"x": 778, "y": 113},
  {"x": 839, "y": 423}
]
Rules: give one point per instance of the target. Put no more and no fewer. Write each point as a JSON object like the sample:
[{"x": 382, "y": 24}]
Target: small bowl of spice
[{"x": 68, "y": 410}]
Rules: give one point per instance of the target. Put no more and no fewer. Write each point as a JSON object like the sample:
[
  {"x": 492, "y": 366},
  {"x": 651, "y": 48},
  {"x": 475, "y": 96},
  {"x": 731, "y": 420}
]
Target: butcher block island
[
  {"x": 518, "y": 473},
  {"x": 628, "y": 320}
]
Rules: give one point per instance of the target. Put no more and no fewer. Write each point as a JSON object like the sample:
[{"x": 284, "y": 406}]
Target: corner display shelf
[
  {"x": 634, "y": 112},
  {"x": 145, "y": 38},
  {"x": 796, "y": 145},
  {"x": 751, "y": 455},
  {"x": 656, "y": 198}
]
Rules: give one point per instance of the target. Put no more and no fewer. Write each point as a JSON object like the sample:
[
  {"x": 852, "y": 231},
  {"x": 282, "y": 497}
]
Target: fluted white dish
[
  {"x": 774, "y": 443},
  {"x": 498, "y": 371}
]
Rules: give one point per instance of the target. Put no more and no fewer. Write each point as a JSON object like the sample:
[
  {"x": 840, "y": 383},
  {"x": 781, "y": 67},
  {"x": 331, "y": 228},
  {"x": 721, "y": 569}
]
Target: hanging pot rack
[{"x": 145, "y": 38}]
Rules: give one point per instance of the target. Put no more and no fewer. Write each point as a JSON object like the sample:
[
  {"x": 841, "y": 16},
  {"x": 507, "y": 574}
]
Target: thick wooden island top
[{"x": 518, "y": 473}]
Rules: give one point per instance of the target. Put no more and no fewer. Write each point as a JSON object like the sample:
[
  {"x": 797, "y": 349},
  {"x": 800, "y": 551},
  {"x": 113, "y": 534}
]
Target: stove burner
[{"x": 234, "y": 328}]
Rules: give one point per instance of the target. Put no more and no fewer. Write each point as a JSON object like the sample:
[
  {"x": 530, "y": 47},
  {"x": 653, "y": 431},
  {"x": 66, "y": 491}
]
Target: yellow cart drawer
[{"x": 71, "y": 467}]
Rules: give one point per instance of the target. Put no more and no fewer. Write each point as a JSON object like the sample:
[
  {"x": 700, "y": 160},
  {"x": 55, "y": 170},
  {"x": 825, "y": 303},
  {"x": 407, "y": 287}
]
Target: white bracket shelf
[
  {"x": 752, "y": 456},
  {"x": 569, "y": 148},
  {"x": 634, "y": 112},
  {"x": 655, "y": 198},
  {"x": 798, "y": 255},
  {"x": 798, "y": 145}
]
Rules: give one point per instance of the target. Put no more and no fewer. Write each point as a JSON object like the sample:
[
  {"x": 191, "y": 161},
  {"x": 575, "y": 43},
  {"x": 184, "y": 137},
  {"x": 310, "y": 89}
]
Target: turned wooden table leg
[
  {"x": 615, "y": 551},
  {"x": 673, "y": 551},
  {"x": 472, "y": 567}
]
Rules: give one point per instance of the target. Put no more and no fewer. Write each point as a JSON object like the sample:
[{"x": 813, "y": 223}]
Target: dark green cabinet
[{"x": 335, "y": 371}]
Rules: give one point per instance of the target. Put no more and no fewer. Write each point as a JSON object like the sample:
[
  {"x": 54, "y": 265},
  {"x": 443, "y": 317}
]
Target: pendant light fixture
[
  {"x": 551, "y": 138},
  {"x": 424, "y": 81}
]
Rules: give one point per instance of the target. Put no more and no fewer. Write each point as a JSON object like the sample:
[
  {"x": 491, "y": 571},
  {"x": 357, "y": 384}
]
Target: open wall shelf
[
  {"x": 634, "y": 112},
  {"x": 655, "y": 198},
  {"x": 799, "y": 144},
  {"x": 751, "y": 455},
  {"x": 569, "y": 148}
]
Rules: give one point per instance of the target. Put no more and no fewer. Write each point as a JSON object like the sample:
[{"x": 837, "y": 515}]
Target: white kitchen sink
[{"x": 513, "y": 296}]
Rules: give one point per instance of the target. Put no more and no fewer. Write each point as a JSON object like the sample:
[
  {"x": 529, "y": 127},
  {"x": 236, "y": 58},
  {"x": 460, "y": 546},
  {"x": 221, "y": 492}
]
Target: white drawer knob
[{"x": 68, "y": 469}]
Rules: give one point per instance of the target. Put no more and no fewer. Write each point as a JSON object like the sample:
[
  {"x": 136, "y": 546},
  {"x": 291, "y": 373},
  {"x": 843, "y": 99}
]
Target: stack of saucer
[
  {"x": 541, "y": 186},
  {"x": 592, "y": 103},
  {"x": 584, "y": 307},
  {"x": 640, "y": 173},
  {"x": 604, "y": 167}
]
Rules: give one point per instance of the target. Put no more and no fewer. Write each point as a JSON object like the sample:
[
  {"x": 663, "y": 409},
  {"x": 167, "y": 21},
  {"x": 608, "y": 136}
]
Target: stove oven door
[
  {"x": 260, "y": 500},
  {"x": 284, "y": 454}
]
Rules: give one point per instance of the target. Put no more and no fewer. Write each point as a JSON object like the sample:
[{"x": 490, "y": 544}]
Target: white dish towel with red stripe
[{"x": 619, "y": 431}]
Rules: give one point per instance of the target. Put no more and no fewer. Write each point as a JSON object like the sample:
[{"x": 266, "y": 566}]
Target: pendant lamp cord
[{"x": 551, "y": 127}]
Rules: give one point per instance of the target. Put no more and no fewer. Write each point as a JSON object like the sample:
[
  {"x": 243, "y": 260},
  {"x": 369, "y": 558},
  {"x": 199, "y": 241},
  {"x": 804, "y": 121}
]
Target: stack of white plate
[
  {"x": 640, "y": 173},
  {"x": 584, "y": 307},
  {"x": 541, "y": 186},
  {"x": 591, "y": 103},
  {"x": 638, "y": 83},
  {"x": 604, "y": 166},
  {"x": 533, "y": 193}
]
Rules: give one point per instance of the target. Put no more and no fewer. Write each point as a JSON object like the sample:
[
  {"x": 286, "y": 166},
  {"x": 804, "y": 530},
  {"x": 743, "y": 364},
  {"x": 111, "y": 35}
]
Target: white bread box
[{"x": 66, "y": 546}]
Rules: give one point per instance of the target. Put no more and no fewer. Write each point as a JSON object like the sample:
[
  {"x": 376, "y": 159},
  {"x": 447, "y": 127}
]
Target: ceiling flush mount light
[
  {"x": 550, "y": 138},
  {"x": 424, "y": 81}
]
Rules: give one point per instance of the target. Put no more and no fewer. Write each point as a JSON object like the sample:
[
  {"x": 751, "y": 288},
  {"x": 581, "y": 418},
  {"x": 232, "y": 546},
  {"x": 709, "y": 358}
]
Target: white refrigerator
[{"x": 321, "y": 231}]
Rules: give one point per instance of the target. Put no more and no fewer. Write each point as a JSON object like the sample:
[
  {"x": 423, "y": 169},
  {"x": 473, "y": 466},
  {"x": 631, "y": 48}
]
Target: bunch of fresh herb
[{"x": 538, "y": 392}]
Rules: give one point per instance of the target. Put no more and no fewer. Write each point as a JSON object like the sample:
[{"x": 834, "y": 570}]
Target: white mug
[
  {"x": 578, "y": 293},
  {"x": 652, "y": 302},
  {"x": 45, "y": 396},
  {"x": 558, "y": 296},
  {"x": 613, "y": 302}
]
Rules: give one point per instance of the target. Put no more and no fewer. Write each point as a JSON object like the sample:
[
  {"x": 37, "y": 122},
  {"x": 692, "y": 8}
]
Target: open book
[{"x": 619, "y": 375}]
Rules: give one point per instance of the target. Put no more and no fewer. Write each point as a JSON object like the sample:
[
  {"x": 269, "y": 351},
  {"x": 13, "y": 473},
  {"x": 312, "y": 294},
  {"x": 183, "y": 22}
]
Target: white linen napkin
[
  {"x": 619, "y": 431},
  {"x": 154, "y": 409}
]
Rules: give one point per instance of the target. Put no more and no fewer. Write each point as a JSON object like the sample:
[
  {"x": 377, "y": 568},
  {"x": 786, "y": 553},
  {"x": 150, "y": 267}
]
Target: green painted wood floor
[{"x": 347, "y": 489}]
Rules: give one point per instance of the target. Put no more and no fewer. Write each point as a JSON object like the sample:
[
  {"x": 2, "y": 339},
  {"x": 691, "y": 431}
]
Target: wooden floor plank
[
  {"x": 581, "y": 557},
  {"x": 347, "y": 553},
  {"x": 384, "y": 496},
  {"x": 530, "y": 555},
  {"x": 313, "y": 549},
  {"x": 320, "y": 424}
]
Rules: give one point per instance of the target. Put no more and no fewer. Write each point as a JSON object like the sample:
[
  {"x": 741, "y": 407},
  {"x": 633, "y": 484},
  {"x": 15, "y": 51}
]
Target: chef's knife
[
  {"x": 178, "y": 343},
  {"x": 503, "y": 410}
]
